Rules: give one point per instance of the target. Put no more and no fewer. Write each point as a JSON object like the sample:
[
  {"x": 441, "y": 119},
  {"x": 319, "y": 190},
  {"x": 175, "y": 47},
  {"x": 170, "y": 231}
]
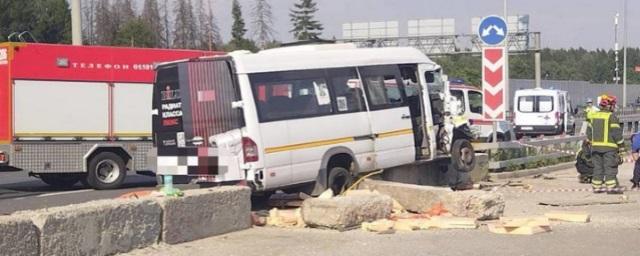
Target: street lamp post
[{"x": 624, "y": 57}]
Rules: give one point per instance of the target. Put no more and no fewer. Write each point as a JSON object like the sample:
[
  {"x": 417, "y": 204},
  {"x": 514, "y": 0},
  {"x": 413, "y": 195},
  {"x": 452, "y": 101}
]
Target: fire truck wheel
[
  {"x": 339, "y": 179},
  {"x": 106, "y": 171},
  {"x": 463, "y": 156},
  {"x": 60, "y": 180}
]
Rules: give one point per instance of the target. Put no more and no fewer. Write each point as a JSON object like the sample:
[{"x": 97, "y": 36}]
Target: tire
[
  {"x": 106, "y": 171},
  {"x": 60, "y": 180},
  {"x": 463, "y": 157},
  {"x": 339, "y": 180}
]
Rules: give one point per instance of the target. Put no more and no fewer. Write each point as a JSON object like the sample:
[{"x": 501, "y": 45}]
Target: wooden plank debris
[
  {"x": 520, "y": 225},
  {"x": 581, "y": 217}
]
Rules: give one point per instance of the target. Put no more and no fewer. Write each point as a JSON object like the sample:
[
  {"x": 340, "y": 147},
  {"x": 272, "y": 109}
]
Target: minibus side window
[
  {"x": 291, "y": 95},
  {"x": 347, "y": 90},
  {"x": 384, "y": 87}
]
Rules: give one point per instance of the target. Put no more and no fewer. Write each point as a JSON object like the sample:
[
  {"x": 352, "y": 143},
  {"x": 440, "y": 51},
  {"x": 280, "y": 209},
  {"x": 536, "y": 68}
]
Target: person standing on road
[
  {"x": 590, "y": 108},
  {"x": 605, "y": 136},
  {"x": 635, "y": 151}
]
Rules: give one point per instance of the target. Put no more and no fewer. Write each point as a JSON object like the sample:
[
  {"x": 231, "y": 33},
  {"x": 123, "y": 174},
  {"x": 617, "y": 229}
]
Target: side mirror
[{"x": 430, "y": 77}]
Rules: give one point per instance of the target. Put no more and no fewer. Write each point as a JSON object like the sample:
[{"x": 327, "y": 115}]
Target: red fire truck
[{"x": 78, "y": 113}]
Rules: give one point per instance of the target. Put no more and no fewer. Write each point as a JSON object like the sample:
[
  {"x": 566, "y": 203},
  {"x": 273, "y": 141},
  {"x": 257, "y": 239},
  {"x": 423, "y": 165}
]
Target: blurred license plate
[{"x": 527, "y": 128}]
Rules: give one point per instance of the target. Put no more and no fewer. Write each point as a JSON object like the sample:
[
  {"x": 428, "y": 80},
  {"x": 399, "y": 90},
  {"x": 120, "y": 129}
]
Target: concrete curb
[
  {"x": 102, "y": 227},
  {"x": 108, "y": 227},
  {"x": 204, "y": 213},
  {"x": 18, "y": 236},
  {"x": 531, "y": 172}
]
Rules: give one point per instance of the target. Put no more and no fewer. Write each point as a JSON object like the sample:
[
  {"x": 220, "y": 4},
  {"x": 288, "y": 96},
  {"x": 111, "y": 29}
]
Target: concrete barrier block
[
  {"x": 18, "y": 236},
  {"x": 477, "y": 204},
  {"x": 103, "y": 227},
  {"x": 205, "y": 212},
  {"x": 346, "y": 212}
]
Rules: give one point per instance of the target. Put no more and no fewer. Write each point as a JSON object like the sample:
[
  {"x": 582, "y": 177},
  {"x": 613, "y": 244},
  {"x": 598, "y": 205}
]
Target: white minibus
[{"x": 311, "y": 114}]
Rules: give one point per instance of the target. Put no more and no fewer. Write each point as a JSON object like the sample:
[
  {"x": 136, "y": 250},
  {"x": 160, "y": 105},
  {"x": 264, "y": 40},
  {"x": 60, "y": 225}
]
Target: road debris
[
  {"x": 583, "y": 202},
  {"x": 346, "y": 211},
  {"x": 520, "y": 225},
  {"x": 290, "y": 218},
  {"x": 382, "y": 226},
  {"x": 581, "y": 217}
]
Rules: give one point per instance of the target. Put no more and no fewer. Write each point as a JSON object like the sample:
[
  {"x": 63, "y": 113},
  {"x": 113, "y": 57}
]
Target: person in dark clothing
[
  {"x": 635, "y": 151},
  {"x": 605, "y": 136},
  {"x": 584, "y": 165}
]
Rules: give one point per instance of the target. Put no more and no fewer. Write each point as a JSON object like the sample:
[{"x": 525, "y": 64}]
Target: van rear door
[
  {"x": 192, "y": 104},
  {"x": 535, "y": 110}
]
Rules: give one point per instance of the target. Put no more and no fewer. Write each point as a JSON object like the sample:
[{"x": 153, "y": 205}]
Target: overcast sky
[{"x": 563, "y": 23}]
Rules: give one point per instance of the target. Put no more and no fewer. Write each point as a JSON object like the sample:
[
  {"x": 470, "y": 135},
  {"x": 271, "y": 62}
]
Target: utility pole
[
  {"x": 506, "y": 56},
  {"x": 76, "y": 23},
  {"x": 616, "y": 78},
  {"x": 624, "y": 57}
]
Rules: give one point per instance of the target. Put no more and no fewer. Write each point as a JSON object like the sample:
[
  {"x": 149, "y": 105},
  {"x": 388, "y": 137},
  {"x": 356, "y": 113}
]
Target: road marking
[{"x": 64, "y": 193}]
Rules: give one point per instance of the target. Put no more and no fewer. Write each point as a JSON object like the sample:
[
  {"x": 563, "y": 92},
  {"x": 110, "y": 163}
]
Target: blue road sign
[{"x": 492, "y": 30}]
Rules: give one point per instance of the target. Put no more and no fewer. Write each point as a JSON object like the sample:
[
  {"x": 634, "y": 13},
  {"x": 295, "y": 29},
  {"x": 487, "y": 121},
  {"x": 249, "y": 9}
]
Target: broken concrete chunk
[
  {"x": 581, "y": 217},
  {"x": 346, "y": 212},
  {"x": 480, "y": 205}
]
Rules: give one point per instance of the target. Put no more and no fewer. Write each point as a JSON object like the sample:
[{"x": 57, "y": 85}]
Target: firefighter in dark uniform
[{"x": 605, "y": 136}]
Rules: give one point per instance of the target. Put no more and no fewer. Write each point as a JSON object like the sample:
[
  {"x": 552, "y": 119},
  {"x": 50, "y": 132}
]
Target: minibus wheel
[
  {"x": 463, "y": 156},
  {"x": 339, "y": 179}
]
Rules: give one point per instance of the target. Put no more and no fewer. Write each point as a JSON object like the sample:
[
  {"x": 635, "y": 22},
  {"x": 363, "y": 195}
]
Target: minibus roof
[{"x": 325, "y": 56}]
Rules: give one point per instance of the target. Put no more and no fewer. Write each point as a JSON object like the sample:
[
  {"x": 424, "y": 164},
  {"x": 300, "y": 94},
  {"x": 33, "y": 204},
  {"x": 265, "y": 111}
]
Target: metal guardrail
[
  {"x": 530, "y": 143},
  {"x": 629, "y": 121}
]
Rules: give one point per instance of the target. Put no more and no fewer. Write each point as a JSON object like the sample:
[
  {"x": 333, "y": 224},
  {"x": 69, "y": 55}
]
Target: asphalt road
[{"x": 20, "y": 192}]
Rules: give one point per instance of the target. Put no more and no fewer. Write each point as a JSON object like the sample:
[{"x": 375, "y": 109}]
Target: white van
[
  {"x": 543, "y": 111},
  {"x": 313, "y": 114},
  {"x": 471, "y": 101}
]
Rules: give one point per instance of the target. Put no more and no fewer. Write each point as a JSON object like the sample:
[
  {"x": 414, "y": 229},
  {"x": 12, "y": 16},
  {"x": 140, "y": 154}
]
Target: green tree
[
  {"x": 238, "y": 42},
  {"x": 106, "y": 25},
  {"x": 48, "y": 20},
  {"x": 184, "y": 30},
  {"x": 262, "y": 23},
  {"x": 151, "y": 16},
  {"x": 302, "y": 19},
  {"x": 53, "y": 22},
  {"x": 136, "y": 33},
  {"x": 238, "y": 28},
  {"x": 15, "y": 16},
  {"x": 208, "y": 32}
]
